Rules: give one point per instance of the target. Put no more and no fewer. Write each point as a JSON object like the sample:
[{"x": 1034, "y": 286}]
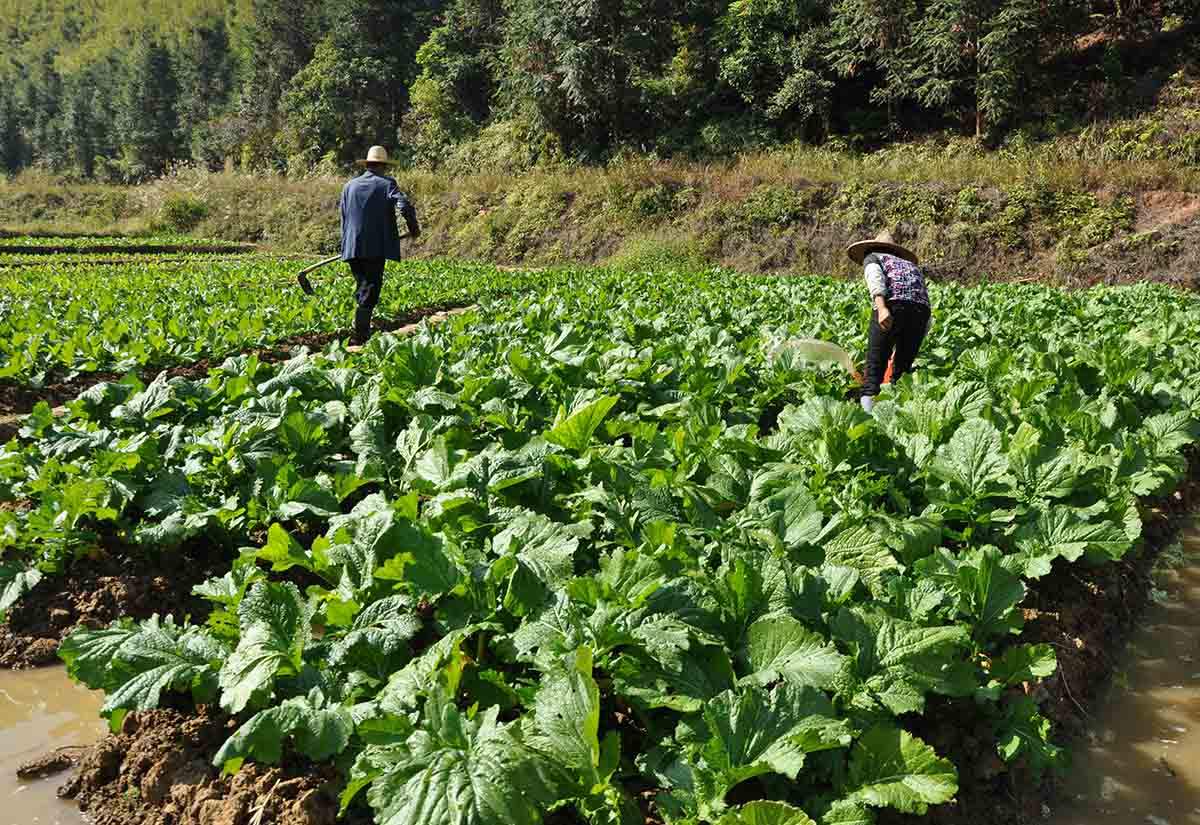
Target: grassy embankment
[{"x": 1118, "y": 200}]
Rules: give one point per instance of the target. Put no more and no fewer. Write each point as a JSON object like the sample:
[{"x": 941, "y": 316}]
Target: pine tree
[
  {"x": 875, "y": 36},
  {"x": 12, "y": 150},
  {"x": 148, "y": 119}
]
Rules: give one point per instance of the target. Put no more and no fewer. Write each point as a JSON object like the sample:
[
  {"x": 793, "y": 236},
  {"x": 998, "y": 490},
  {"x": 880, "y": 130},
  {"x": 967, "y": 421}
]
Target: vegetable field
[
  {"x": 60, "y": 322},
  {"x": 598, "y": 550}
]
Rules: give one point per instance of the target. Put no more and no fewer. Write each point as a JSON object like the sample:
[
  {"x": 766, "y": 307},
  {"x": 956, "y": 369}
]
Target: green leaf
[
  {"x": 319, "y": 732},
  {"x": 544, "y": 553},
  {"x": 574, "y": 430},
  {"x": 990, "y": 594},
  {"x": 862, "y": 549},
  {"x": 848, "y": 812},
  {"x": 898, "y": 662},
  {"x": 422, "y": 561},
  {"x": 973, "y": 461},
  {"x": 566, "y": 717},
  {"x": 1064, "y": 532},
  {"x": 782, "y": 505},
  {"x": 284, "y": 552},
  {"x": 891, "y": 768},
  {"x": 1024, "y": 733},
  {"x": 1024, "y": 663},
  {"x": 766, "y": 813},
  {"x": 780, "y": 647},
  {"x": 484, "y": 776},
  {"x": 753, "y": 731},
  {"x": 15, "y": 582},
  {"x": 276, "y": 625},
  {"x": 89, "y": 654}
]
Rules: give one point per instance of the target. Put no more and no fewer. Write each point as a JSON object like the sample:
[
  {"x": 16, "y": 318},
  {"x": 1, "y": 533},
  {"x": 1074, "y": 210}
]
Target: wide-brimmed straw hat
[
  {"x": 376, "y": 154},
  {"x": 883, "y": 242}
]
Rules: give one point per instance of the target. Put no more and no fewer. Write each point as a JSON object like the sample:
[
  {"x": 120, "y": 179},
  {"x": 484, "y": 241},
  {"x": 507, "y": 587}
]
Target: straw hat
[
  {"x": 376, "y": 154},
  {"x": 883, "y": 242}
]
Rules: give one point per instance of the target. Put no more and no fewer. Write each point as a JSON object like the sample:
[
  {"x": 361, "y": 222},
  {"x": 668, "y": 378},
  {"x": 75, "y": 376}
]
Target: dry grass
[{"x": 789, "y": 210}]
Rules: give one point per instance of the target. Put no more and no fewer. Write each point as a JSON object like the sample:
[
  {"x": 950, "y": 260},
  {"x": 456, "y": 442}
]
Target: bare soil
[
  {"x": 95, "y": 591},
  {"x": 158, "y": 771}
]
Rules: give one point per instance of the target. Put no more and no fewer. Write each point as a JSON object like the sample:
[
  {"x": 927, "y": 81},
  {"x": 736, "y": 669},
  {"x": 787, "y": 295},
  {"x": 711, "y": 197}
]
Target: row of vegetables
[{"x": 602, "y": 548}]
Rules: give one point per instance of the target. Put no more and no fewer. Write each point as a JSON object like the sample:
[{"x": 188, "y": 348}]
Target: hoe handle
[{"x": 320, "y": 264}]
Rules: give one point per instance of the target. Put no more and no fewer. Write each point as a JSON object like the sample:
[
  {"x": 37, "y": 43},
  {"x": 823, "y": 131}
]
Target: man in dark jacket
[{"x": 369, "y": 235}]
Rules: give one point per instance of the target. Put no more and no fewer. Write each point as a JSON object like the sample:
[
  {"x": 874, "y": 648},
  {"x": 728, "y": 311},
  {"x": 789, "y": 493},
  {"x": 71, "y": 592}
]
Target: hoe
[{"x": 302, "y": 276}]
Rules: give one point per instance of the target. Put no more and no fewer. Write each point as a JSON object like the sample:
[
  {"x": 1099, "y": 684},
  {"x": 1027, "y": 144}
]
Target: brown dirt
[
  {"x": 96, "y": 591},
  {"x": 56, "y": 761},
  {"x": 158, "y": 771},
  {"x": 1162, "y": 209}
]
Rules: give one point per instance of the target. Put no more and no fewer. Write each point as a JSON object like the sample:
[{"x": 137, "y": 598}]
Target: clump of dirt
[
  {"x": 96, "y": 591},
  {"x": 158, "y": 771},
  {"x": 49, "y": 764}
]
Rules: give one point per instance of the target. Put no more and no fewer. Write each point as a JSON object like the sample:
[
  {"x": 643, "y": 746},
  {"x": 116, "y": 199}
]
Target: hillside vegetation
[{"x": 122, "y": 89}]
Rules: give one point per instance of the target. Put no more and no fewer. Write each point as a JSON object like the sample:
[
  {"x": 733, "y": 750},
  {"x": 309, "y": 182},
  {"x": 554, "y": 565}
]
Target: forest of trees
[{"x": 121, "y": 89}]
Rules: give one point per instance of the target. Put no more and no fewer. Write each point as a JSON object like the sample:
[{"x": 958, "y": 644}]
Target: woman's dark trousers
[
  {"x": 910, "y": 321},
  {"x": 368, "y": 273}
]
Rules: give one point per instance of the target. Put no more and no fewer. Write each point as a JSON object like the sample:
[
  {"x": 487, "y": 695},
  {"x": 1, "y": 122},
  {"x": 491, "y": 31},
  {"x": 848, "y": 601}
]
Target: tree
[
  {"x": 148, "y": 119},
  {"x": 207, "y": 74},
  {"x": 577, "y": 67},
  {"x": 875, "y": 35},
  {"x": 12, "y": 148},
  {"x": 773, "y": 56},
  {"x": 81, "y": 127},
  {"x": 983, "y": 52},
  {"x": 452, "y": 97}
]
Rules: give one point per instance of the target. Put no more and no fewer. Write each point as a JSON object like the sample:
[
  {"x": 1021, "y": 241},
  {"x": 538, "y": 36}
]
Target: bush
[
  {"x": 659, "y": 252},
  {"x": 182, "y": 213}
]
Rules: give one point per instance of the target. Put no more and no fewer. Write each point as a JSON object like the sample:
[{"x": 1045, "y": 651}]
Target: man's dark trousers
[
  {"x": 368, "y": 272},
  {"x": 910, "y": 322}
]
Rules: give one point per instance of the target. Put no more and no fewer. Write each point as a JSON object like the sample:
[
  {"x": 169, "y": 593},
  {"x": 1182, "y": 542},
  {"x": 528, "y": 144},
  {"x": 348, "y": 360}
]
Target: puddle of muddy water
[
  {"x": 41, "y": 710},
  {"x": 1142, "y": 765}
]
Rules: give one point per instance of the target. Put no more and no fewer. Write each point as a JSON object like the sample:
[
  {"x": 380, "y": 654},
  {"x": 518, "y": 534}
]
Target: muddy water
[
  {"x": 41, "y": 710},
  {"x": 1142, "y": 764}
]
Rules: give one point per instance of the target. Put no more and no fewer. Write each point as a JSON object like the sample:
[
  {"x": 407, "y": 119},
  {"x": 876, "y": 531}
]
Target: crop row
[
  {"x": 58, "y": 322},
  {"x": 607, "y": 548},
  {"x": 109, "y": 241}
]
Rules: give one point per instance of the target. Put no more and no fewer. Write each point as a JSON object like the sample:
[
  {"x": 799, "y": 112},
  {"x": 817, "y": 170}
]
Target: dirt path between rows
[
  {"x": 115, "y": 581},
  {"x": 17, "y": 400}
]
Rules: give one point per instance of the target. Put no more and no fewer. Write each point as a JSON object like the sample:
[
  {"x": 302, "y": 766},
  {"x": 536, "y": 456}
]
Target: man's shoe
[{"x": 354, "y": 348}]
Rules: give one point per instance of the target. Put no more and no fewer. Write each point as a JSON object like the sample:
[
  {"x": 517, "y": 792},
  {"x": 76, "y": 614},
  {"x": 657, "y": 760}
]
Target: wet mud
[
  {"x": 1139, "y": 759},
  {"x": 45, "y": 723}
]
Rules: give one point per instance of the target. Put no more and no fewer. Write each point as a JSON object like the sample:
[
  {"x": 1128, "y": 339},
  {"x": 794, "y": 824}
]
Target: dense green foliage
[
  {"x": 57, "y": 321},
  {"x": 610, "y": 537},
  {"x": 78, "y": 243},
  {"x": 121, "y": 90}
]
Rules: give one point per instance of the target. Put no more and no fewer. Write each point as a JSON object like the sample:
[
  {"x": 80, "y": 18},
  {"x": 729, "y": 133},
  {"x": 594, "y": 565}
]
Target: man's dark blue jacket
[{"x": 369, "y": 206}]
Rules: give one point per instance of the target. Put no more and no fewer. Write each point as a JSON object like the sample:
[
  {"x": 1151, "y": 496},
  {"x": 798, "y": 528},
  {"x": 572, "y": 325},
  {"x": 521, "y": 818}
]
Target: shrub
[{"x": 182, "y": 213}]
